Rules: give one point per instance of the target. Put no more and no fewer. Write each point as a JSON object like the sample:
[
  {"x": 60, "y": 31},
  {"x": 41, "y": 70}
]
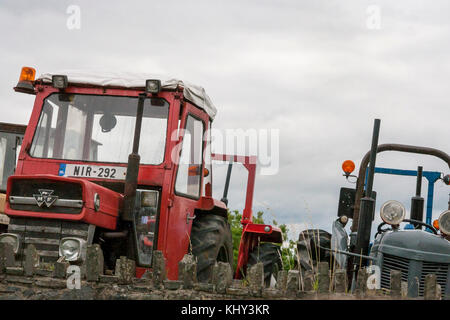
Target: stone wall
[{"x": 33, "y": 281}]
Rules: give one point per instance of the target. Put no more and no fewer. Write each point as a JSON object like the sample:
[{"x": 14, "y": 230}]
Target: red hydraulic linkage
[{"x": 252, "y": 233}]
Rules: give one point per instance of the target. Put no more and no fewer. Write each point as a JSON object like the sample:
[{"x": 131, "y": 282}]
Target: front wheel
[{"x": 211, "y": 242}]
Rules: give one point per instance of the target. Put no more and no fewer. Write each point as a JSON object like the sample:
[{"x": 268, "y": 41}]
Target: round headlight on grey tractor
[
  {"x": 73, "y": 249},
  {"x": 392, "y": 212},
  {"x": 444, "y": 222},
  {"x": 12, "y": 239}
]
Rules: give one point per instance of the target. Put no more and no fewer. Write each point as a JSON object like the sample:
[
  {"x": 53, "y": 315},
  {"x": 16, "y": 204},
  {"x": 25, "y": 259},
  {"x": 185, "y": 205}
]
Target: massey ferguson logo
[{"x": 45, "y": 197}]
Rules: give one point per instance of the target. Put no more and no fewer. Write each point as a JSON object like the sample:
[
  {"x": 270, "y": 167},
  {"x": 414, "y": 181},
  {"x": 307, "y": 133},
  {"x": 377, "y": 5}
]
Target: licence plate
[{"x": 88, "y": 171}]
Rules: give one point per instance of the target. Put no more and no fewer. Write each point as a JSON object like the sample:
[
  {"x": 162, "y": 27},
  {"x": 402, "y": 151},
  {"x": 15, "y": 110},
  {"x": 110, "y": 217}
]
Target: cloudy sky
[{"x": 320, "y": 72}]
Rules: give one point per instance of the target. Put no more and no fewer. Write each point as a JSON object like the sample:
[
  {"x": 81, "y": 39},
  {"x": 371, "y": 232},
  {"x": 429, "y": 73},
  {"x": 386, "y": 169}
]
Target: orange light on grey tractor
[
  {"x": 436, "y": 224},
  {"x": 348, "y": 166}
]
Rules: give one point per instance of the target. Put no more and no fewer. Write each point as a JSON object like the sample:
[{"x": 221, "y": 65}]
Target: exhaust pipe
[
  {"x": 133, "y": 165},
  {"x": 417, "y": 202},
  {"x": 367, "y": 205}
]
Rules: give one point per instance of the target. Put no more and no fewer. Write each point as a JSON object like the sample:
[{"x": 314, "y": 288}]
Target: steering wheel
[{"x": 379, "y": 230}]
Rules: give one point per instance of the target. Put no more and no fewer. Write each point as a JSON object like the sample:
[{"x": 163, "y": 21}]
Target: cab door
[{"x": 187, "y": 187}]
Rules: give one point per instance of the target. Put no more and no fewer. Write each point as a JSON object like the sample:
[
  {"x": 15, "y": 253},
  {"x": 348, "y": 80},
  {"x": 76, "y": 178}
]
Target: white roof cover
[{"x": 194, "y": 93}]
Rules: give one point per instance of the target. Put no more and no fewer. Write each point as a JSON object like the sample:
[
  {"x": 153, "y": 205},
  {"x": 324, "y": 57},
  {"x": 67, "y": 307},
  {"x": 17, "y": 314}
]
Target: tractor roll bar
[
  {"x": 249, "y": 162},
  {"x": 389, "y": 147}
]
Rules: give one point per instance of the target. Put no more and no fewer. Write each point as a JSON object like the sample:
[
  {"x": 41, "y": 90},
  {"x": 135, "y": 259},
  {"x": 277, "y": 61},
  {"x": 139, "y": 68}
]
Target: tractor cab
[{"x": 124, "y": 161}]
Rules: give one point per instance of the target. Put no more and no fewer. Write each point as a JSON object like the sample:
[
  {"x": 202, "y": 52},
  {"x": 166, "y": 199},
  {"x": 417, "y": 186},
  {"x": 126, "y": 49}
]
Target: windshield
[{"x": 99, "y": 128}]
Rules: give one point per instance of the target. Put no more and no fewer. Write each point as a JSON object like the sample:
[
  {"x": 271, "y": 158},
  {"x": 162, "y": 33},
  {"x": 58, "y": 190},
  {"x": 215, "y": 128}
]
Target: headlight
[
  {"x": 392, "y": 212},
  {"x": 153, "y": 86},
  {"x": 73, "y": 249},
  {"x": 59, "y": 81},
  {"x": 12, "y": 239},
  {"x": 444, "y": 222}
]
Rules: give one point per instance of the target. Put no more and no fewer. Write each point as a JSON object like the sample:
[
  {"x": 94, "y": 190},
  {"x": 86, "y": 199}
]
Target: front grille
[
  {"x": 393, "y": 263},
  {"x": 439, "y": 269},
  {"x": 25, "y": 188},
  {"x": 403, "y": 264},
  {"x": 45, "y": 235}
]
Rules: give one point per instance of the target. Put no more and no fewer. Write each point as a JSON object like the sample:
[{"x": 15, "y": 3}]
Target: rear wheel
[
  {"x": 211, "y": 241},
  {"x": 270, "y": 255},
  {"x": 310, "y": 248}
]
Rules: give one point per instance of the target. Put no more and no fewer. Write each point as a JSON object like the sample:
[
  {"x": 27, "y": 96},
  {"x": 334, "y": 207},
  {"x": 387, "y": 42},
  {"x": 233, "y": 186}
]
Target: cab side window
[{"x": 190, "y": 163}]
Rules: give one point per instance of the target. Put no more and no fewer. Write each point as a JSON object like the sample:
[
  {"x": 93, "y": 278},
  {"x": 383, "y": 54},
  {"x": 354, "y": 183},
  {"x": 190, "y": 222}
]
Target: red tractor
[{"x": 125, "y": 161}]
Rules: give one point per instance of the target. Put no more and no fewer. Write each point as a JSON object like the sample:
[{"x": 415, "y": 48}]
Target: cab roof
[{"x": 193, "y": 93}]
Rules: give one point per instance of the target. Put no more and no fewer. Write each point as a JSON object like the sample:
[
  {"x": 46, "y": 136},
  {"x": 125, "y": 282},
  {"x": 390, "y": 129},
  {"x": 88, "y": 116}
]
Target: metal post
[{"x": 430, "y": 202}]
